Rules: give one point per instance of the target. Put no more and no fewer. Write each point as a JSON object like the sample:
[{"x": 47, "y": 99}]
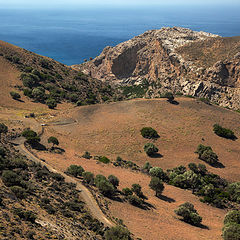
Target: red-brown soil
[{"x": 114, "y": 130}]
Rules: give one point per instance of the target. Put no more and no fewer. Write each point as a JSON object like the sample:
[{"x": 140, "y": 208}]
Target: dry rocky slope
[{"x": 174, "y": 59}]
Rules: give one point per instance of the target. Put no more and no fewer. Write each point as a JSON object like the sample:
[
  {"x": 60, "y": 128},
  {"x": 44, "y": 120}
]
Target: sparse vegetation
[
  {"x": 53, "y": 140},
  {"x": 223, "y": 132},
  {"x": 31, "y": 136},
  {"x": 75, "y": 170},
  {"x": 103, "y": 159},
  {"x": 150, "y": 149},
  {"x": 15, "y": 95},
  {"x": 189, "y": 214},
  {"x": 206, "y": 154},
  {"x": 117, "y": 233},
  {"x": 3, "y": 128},
  {"x": 87, "y": 155},
  {"x": 148, "y": 132},
  {"x": 231, "y": 229},
  {"x": 156, "y": 185}
]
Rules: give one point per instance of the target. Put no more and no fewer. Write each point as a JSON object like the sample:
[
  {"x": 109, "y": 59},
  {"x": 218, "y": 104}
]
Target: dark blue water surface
[{"x": 72, "y": 35}]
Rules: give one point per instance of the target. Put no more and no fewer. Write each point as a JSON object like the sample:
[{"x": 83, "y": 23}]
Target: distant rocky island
[{"x": 174, "y": 59}]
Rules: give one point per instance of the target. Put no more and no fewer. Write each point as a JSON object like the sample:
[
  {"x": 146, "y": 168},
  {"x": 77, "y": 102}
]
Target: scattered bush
[
  {"x": 206, "y": 154},
  {"x": 2, "y": 152},
  {"x": 106, "y": 188},
  {"x": 31, "y": 136},
  {"x": 127, "y": 191},
  {"x": 137, "y": 189},
  {"x": 3, "y": 128},
  {"x": 232, "y": 217},
  {"x": 25, "y": 215},
  {"x": 88, "y": 177},
  {"x": 104, "y": 159},
  {"x": 231, "y": 232},
  {"x": 158, "y": 172},
  {"x": 148, "y": 132},
  {"x": 117, "y": 233},
  {"x": 150, "y": 149},
  {"x": 223, "y": 132},
  {"x": 53, "y": 140},
  {"x": 234, "y": 191},
  {"x": 51, "y": 103},
  {"x": 169, "y": 96},
  {"x": 15, "y": 95},
  {"x": 113, "y": 180},
  {"x": 10, "y": 178},
  {"x": 156, "y": 185},
  {"x": 189, "y": 213},
  {"x": 231, "y": 229},
  {"x": 18, "y": 191},
  {"x": 147, "y": 166},
  {"x": 87, "y": 155},
  {"x": 135, "y": 200},
  {"x": 75, "y": 170}
]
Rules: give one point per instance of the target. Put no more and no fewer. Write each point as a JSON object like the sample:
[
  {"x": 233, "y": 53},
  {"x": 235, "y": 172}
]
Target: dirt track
[{"x": 84, "y": 192}]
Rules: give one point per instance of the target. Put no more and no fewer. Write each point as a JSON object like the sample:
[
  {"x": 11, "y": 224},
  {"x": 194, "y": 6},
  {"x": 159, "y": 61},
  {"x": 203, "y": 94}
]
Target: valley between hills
[{"x": 94, "y": 178}]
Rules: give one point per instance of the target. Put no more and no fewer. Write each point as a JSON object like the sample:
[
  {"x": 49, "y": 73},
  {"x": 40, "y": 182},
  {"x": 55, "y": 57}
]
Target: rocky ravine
[{"x": 158, "y": 56}]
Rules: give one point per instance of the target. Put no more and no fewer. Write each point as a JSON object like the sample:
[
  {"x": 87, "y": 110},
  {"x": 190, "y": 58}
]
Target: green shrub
[
  {"x": 88, "y": 177},
  {"x": 206, "y": 154},
  {"x": 27, "y": 92},
  {"x": 18, "y": 163},
  {"x": 223, "y": 132},
  {"x": 10, "y": 178},
  {"x": 2, "y": 152},
  {"x": 99, "y": 178},
  {"x": 25, "y": 215},
  {"x": 15, "y": 95},
  {"x": 135, "y": 200},
  {"x": 231, "y": 232},
  {"x": 51, "y": 103},
  {"x": 39, "y": 94},
  {"x": 189, "y": 213},
  {"x": 147, "y": 166},
  {"x": 158, "y": 172},
  {"x": 106, "y": 188},
  {"x": 75, "y": 170},
  {"x": 137, "y": 189},
  {"x": 127, "y": 191},
  {"x": 113, "y": 180},
  {"x": 87, "y": 155},
  {"x": 53, "y": 140},
  {"x": 232, "y": 217},
  {"x": 234, "y": 191},
  {"x": 3, "y": 128},
  {"x": 104, "y": 159},
  {"x": 169, "y": 96},
  {"x": 156, "y": 185},
  {"x": 148, "y": 132},
  {"x": 31, "y": 136},
  {"x": 193, "y": 167},
  {"x": 117, "y": 233},
  {"x": 18, "y": 191},
  {"x": 150, "y": 149}
]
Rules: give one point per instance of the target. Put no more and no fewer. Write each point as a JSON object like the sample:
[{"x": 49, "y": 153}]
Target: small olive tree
[
  {"x": 53, "y": 140},
  {"x": 156, "y": 185}
]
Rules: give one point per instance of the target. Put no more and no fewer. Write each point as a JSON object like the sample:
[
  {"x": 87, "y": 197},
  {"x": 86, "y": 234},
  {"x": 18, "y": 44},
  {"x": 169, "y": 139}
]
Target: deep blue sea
[{"x": 73, "y": 34}]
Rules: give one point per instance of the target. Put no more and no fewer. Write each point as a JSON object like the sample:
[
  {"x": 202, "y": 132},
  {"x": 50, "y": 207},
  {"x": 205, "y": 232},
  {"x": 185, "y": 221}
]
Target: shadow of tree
[{"x": 166, "y": 199}]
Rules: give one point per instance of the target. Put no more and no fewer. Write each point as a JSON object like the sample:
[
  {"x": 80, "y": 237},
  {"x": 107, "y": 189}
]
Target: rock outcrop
[{"x": 168, "y": 58}]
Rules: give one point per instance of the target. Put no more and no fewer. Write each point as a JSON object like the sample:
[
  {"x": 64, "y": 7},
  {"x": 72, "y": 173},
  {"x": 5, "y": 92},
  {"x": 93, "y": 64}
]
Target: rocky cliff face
[{"x": 175, "y": 59}]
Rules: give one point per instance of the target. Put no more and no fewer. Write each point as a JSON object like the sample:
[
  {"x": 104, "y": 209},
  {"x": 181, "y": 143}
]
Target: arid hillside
[
  {"x": 40, "y": 79},
  {"x": 114, "y": 130}
]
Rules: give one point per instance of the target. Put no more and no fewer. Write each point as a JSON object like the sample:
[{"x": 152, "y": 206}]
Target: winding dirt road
[{"x": 84, "y": 192}]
